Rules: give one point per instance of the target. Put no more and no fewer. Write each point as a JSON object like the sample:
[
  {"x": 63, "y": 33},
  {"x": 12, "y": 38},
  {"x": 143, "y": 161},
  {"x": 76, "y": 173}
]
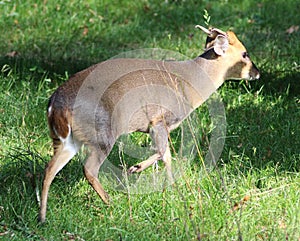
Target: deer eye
[{"x": 245, "y": 55}]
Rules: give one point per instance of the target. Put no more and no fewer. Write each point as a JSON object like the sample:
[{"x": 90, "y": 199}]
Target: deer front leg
[
  {"x": 167, "y": 159},
  {"x": 159, "y": 134},
  {"x": 144, "y": 164}
]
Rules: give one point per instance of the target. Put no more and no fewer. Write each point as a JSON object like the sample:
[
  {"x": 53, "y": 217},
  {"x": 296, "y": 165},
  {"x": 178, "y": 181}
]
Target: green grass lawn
[{"x": 253, "y": 193}]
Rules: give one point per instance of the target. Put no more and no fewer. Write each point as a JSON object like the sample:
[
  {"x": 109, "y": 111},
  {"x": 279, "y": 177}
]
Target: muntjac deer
[{"x": 97, "y": 105}]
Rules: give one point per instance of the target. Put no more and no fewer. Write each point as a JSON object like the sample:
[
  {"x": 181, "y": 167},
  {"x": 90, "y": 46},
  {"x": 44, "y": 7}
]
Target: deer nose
[
  {"x": 255, "y": 72},
  {"x": 255, "y": 77}
]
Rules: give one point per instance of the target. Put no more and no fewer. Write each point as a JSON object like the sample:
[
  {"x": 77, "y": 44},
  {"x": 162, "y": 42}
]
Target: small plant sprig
[{"x": 206, "y": 17}]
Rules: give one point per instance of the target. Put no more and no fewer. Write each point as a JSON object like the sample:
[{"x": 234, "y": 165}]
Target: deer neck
[
  {"x": 202, "y": 77},
  {"x": 214, "y": 69}
]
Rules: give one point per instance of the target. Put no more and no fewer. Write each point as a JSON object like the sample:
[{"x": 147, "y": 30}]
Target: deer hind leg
[
  {"x": 65, "y": 149},
  {"x": 159, "y": 134},
  {"x": 92, "y": 166}
]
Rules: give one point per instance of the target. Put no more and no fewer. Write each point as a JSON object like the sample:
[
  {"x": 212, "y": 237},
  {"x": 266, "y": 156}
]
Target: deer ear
[{"x": 221, "y": 44}]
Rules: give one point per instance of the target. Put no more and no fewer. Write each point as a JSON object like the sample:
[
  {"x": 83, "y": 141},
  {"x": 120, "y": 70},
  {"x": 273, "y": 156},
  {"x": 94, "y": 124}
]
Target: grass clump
[{"x": 251, "y": 194}]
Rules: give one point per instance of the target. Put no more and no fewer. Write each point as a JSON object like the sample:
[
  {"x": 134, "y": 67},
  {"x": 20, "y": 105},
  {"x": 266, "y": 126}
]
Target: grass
[{"x": 252, "y": 194}]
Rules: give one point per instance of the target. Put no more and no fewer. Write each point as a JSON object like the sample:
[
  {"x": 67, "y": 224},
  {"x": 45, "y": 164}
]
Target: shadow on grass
[
  {"x": 21, "y": 181},
  {"x": 268, "y": 132},
  {"x": 20, "y": 177},
  {"x": 58, "y": 57},
  {"x": 153, "y": 21},
  {"x": 285, "y": 83}
]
